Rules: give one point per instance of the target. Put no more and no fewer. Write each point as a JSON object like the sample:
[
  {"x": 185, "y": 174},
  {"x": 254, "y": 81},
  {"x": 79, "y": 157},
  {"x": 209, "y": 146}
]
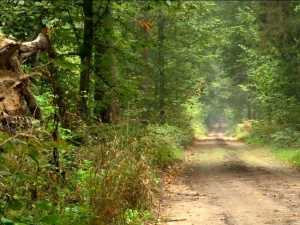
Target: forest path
[{"x": 228, "y": 182}]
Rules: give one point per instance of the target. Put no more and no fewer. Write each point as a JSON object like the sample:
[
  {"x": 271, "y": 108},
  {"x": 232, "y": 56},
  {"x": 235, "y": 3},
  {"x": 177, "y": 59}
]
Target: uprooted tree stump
[{"x": 16, "y": 98}]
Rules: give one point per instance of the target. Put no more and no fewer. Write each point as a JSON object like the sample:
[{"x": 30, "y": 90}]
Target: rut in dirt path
[{"x": 228, "y": 182}]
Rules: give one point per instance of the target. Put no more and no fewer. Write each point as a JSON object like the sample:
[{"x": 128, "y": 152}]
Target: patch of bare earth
[{"x": 228, "y": 182}]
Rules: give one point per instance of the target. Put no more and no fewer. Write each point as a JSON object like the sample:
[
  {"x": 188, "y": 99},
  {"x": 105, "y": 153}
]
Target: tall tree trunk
[
  {"x": 86, "y": 57},
  {"x": 161, "y": 68},
  {"x": 107, "y": 108},
  {"x": 144, "y": 78}
]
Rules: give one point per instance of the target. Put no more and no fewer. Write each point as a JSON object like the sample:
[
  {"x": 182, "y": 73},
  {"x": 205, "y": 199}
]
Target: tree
[
  {"x": 86, "y": 54},
  {"x": 105, "y": 94}
]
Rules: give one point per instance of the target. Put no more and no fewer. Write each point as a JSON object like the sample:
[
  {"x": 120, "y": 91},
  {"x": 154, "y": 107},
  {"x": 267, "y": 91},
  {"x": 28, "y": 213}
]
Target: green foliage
[
  {"x": 25, "y": 16},
  {"x": 133, "y": 217},
  {"x": 290, "y": 155},
  {"x": 277, "y": 137},
  {"x": 197, "y": 112},
  {"x": 50, "y": 219},
  {"x": 117, "y": 180},
  {"x": 259, "y": 132},
  {"x": 113, "y": 181},
  {"x": 25, "y": 172},
  {"x": 285, "y": 138},
  {"x": 241, "y": 131},
  {"x": 165, "y": 143}
]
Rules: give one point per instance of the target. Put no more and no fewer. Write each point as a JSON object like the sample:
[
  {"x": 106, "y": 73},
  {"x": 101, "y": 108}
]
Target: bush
[
  {"x": 165, "y": 143},
  {"x": 195, "y": 114},
  {"x": 285, "y": 138},
  {"x": 259, "y": 132},
  {"x": 243, "y": 129},
  {"x": 272, "y": 134}
]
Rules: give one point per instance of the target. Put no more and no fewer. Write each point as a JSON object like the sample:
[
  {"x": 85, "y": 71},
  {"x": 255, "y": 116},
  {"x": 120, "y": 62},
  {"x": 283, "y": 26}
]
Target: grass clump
[{"x": 289, "y": 155}]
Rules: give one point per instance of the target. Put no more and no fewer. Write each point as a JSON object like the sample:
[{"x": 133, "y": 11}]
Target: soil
[{"x": 224, "y": 181}]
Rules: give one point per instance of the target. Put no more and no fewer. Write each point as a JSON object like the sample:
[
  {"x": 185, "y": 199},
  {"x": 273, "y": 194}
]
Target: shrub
[
  {"x": 285, "y": 138},
  {"x": 243, "y": 129},
  {"x": 259, "y": 132},
  {"x": 165, "y": 143}
]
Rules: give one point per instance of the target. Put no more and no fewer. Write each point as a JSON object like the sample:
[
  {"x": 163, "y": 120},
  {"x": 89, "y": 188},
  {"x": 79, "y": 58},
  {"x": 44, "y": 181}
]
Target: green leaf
[
  {"x": 26, "y": 176},
  {"x": 168, "y": 2},
  {"x": 6, "y": 221},
  {"x": 42, "y": 206},
  {"x": 51, "y": 219},
  {"x": 3, "y": 136},
  {"x": 32, "y": 156},
  {"x": 38, "y": 4},
  {"x": 44, "y": 21},
  {"x": 64, "y": 145},
  {"x": 14, "y": 204},
  {"x": 33, "y": 151},
  {"x": 4, "y": 170},
  {"x": 3, "y": 156},
  {"x": 8, "y": 146},
  {"x": 53, "y": 144}
]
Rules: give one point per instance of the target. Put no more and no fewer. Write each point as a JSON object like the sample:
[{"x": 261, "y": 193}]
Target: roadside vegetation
[
  {"x": 118, "y": 104},
  {"x": 282, "y": 141},
  {"x": 113, "y": 178}
]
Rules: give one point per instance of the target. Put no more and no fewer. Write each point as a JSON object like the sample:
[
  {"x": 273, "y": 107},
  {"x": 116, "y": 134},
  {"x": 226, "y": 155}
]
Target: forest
[{"x": 99, "y": 98}]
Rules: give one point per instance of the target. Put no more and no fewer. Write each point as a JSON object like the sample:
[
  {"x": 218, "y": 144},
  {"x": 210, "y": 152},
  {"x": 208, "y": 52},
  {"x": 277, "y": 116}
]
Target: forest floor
[{"x": 224, "y": 181}]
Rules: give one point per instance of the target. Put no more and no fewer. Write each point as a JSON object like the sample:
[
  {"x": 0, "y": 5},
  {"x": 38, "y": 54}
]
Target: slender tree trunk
[
  {"x": 249, "y": 111},
  {"x": 161, "y": 68},
  {"x": 86, "y": 58},
  {"x": 144, "y": 78}
]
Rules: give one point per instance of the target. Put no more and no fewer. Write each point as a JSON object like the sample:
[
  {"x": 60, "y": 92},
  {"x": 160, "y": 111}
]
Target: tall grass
[
  {"x": 119, "y": 178},
  {"x": 110, "y": 179}
]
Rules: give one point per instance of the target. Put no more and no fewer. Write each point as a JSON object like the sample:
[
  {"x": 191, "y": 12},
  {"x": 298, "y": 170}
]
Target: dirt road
[{"x": 228, "y": 182}]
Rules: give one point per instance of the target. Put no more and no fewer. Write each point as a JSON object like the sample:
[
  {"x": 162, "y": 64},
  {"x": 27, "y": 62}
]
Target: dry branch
[{"x": 39, "y": 44}]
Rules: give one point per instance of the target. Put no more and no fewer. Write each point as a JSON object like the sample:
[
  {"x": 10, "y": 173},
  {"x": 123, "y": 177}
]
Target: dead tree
[{"x": 16, "y": 98}]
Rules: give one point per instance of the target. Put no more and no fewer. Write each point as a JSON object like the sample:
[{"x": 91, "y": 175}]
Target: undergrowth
[
  {"x": 289, "y": 155},
  {"x": 110, "y": 179},
  {"x": 284, "y": 141}
]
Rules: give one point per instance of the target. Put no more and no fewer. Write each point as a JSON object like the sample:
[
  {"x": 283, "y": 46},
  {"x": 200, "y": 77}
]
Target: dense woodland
[{"x": 121, "y": 87}]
